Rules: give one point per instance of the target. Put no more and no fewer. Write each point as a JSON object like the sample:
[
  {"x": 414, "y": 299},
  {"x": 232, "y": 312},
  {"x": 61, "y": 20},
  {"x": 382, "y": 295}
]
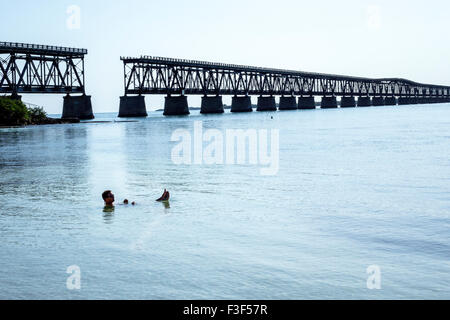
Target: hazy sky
[{"x": 408, "y": 39}]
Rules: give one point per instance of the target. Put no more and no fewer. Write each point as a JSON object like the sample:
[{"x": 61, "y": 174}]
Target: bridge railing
[{"x": 37, "y": 47}]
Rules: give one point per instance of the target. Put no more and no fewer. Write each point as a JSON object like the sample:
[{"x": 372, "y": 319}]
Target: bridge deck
[{"x": 14, "y": 47}]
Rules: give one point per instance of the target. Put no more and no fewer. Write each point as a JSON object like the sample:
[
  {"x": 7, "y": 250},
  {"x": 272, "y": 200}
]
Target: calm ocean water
[{"x": 355, "y": 188}]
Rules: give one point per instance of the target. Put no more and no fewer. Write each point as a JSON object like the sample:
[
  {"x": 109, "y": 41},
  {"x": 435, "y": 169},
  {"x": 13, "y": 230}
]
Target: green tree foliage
[
  {"x": 13, "y": 112},
  {"x": 37, "y": 115}
]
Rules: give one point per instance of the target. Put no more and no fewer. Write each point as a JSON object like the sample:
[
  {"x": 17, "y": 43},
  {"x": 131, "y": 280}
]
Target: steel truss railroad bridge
[{"x": 177, "y": 78}]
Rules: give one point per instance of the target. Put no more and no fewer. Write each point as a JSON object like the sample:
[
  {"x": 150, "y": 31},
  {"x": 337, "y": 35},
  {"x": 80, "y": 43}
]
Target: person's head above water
[
  {"x": 108, "y": 197},
  {"x": 125, "y": 201}
]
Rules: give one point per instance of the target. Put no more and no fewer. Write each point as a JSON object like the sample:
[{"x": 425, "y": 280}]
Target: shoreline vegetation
[{"x": 14, "y": 113}]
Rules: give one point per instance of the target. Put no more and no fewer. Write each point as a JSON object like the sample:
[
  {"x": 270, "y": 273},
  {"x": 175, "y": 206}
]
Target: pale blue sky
[{"x": 408, "y": 39}]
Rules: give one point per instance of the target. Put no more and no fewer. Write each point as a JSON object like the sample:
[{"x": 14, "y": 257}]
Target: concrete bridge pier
[
  {"x": 212, "y": 105},
  {"x": 77, "y": 107},
  {"x": 132, "y": 106},
  {"x": 404, "y": 101},
  {"x": 176, "y": 106},
  {"x": 378, "y": 101},
  {"x": 329, "y": 103},
  {"x": 288, "y": 103},
  {"x": 241, "y": 104},
  {"x": 15, "y": 96},
  {"x": 266, "y": 104},
  {"x": 390, "y": 101},
  {"x": 306, "y": 103},
  {"x": 364, "y": 102},
  {"x": 348, "y": 102}
]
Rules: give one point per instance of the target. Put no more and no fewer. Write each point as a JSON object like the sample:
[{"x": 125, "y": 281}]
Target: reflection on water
[
  {"x": 166, "y": 204},
  {"x": 109, "y": 209},
  {"x": 355, "y": 188},
  {"x": 108, "y": 214}
]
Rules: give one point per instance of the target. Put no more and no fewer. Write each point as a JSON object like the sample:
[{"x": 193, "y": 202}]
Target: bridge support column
[
  {"x": 266, "y": 104},
  {"x": 176, "y": 106},
  {"x": 378, "y": 101},
  {"x": 329, "y": 103},
  {"x": 15, "y": 96},
  {"x": 364, "y": 102},
  {"x": 390, "y": 101},
  {"x": 77, "y": 107},
  {"x": 212, "y": 105},
  {"x": 404, "y": 101},
  {"x": 287, "y": 103},
  {"x": 306, "y": 103},
  {"x": 348, "y": 102},
  {"x": 241, "y": 104},
  {"x": 132, "y": 106}
]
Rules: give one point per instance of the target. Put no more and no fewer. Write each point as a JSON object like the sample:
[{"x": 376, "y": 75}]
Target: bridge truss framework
[
  {"x": 155, "y": 75},
  {"x": 30, "y": 68}
]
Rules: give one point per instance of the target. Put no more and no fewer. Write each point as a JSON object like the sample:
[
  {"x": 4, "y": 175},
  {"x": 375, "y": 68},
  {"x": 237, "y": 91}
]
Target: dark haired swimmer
[{"x": 108, "y": 197}]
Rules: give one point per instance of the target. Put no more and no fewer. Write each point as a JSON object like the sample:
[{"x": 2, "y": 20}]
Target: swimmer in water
[{"x": 108, "y": 197}]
